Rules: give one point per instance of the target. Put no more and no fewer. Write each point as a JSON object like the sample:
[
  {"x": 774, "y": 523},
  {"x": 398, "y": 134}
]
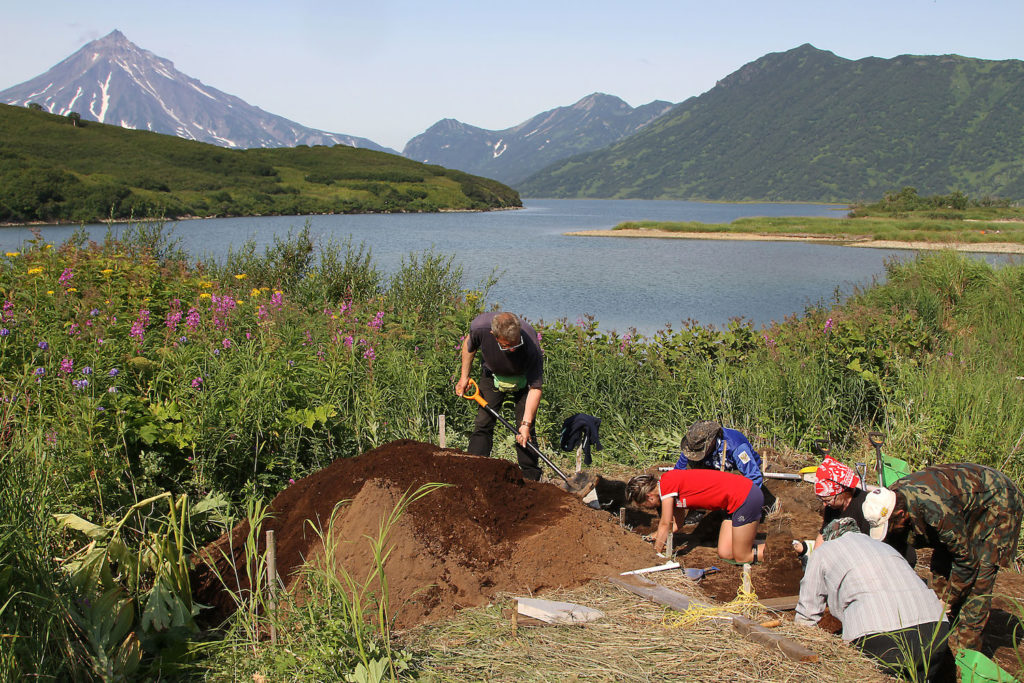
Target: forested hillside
[
  {"x": 55, "y": 168},
  {"x": 806, "y": 125}
]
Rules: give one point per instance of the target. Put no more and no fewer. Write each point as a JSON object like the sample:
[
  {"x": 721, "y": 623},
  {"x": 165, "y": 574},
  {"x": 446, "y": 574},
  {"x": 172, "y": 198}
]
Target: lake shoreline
[{"x": 988, "y": 247}]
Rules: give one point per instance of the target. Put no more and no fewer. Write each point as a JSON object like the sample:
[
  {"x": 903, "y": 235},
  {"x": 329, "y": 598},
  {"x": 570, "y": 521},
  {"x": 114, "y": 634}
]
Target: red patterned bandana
[{"x": 833, "y": 477}]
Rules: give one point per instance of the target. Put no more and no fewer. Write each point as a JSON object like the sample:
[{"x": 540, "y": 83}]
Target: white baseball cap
[{"x": 877, "y": 508}]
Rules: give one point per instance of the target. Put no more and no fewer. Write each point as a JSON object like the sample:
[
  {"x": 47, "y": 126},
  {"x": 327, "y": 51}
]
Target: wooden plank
[
  {"x": 664, "y": 596},
  {"x": 654, "y": 592},
  {"x": 783, "y": 604},
  {"x": 774, "y": 641},
  {"x": 555, "y": 612}
]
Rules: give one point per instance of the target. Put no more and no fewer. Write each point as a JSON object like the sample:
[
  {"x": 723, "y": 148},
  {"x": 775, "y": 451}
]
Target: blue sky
[{"x": 387, "y": 70}]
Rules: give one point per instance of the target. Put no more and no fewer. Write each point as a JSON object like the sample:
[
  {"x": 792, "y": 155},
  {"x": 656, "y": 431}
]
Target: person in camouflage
[{"x": 970, "y": 515}]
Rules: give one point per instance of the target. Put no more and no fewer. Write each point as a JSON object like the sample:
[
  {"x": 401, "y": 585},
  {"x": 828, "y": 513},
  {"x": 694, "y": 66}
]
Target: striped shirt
[{"x": 867, "y": 585}]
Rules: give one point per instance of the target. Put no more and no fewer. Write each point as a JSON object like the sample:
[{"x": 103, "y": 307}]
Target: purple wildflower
[
  {"x": 828, "y": 325},
  {"x": 4, "y": 331},
  {"x": 197, "y": 383},
  {"x": 114, "y": 372},
  {"x": 138, "y": 330},
  {"x": 377, "y": 322},
  {"x": 94, "y": 312},
  {"x": 65, "y": 276},
  {"x": 194, "y": 318},
  {"x": 73, "y": 330},
  {"x": 43, "y": 345},
  {"x": 67, "y": 365},
  {"x": 111, "y": 390},
  {"x": 39, "y": 371},
  {"x": 87, "y": 370},
  {"x": 349, "y": 341},
  {"x": 226, "y": 343},
  {"x": 369, "y": 354},
  {"x": 80, "y": 384},
  {"x": 276, "y": 298}
]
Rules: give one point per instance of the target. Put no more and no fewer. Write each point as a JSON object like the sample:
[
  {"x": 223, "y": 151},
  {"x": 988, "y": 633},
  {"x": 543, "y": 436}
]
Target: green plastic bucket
[
  {"x": 893, "y": 469},
  {"x": 977, "y": 668}
]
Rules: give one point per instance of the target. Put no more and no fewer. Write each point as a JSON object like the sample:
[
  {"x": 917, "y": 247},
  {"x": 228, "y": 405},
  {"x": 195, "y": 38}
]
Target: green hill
[
  {"x": 52, "y": 170},
  {"x": 806, "y": 125}
]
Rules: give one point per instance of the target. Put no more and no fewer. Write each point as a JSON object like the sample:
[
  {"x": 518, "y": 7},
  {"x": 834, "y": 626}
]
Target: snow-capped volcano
[{"x": 112, "y": 80}]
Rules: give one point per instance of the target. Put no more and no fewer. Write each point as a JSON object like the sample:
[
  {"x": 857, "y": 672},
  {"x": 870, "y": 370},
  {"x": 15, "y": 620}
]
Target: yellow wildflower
[
  {"x": 12, "y": 254},
  {"x": 71, "y": 289},
  {"x": 240, "y": 276},
  {"x": 204, "y": 295},
  {"x": 49, "y": 291},
  {"x": 239, "y": 302},
  {"x": 255, "y": 292},
  {"x": 107, "y": 271},
  {"x": 34, "y": 271},
  {"x": 205, "y": 285}
]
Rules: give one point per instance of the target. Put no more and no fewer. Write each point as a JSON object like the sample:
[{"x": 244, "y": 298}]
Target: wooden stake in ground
[
  {"x": 272, "y": 584},
  {"x": 441, "y": 440},
  {"x": 515, "y": 617}
]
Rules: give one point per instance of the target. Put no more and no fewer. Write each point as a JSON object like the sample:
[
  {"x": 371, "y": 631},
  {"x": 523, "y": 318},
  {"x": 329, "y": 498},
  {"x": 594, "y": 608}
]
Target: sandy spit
[{"x": 986, "y": 247}]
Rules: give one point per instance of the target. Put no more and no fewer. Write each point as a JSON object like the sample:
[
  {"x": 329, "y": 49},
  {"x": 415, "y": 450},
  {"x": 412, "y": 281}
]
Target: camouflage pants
[{"x": 974, "y": 604}]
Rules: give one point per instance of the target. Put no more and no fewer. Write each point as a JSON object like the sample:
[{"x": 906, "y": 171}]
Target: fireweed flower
[
  {"x": 277, "y": 297},
  {"x": 73, "y": 330},
  {"x": 226, "y": 343},
  {"x": 67, "y": 366},
  {"x": 65, "y": 276},
  {"x": 197, "y": 383},
  {"x": 194, "y": 318},
  {"x": 369, "y": 354},
  {"x": 828, "y": 325},
  {"x": 172, "y": 320},
  {"x": 349, "y": 341},
  {"x": 138, "y": 331},
  {"x": 377, "y": 322}
]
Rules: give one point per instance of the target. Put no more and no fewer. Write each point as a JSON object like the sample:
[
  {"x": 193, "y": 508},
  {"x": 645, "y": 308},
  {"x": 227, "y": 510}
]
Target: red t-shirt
[{"x": 705, "y": 489}]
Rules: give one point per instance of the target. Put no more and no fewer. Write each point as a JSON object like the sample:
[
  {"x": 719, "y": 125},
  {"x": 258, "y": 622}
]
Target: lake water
[{"x": 545, "y": 274}]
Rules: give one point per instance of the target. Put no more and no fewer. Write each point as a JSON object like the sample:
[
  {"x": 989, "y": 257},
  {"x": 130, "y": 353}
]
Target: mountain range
[
  {"x": 512, "y": 154},
  {"x": 799, "y": 125},
  {"x": 112, "y": 80},
  {"x": 806, "y": 125}
]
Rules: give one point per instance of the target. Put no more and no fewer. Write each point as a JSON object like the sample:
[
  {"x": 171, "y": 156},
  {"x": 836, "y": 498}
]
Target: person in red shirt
[{"x": 679, "y": 490}]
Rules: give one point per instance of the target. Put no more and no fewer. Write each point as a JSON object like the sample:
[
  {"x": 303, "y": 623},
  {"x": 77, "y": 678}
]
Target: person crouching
[{"x": 678, "y": 490}]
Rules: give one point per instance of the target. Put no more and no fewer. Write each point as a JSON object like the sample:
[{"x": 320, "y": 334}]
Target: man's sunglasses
[{"x": 509, "y": 348}]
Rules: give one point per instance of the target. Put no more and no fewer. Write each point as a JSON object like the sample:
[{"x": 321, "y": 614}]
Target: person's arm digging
[{"x": 466, "y": 366}]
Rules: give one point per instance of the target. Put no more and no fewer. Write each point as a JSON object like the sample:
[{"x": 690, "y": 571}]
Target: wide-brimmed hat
[
  {"x": 700, "y": 439},
  {"x": 833, "y": 477},
  {"x": 877, "y": 509},
  {"x": 839, "y": 527}
]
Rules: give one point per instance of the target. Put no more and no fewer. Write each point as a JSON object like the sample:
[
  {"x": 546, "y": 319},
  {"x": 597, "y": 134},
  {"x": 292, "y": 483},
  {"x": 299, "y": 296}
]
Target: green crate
[{"x": 977, "y": 668}]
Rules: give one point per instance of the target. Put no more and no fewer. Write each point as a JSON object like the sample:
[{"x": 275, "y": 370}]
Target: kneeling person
[
  {"x": 887, "y": 610},
  {"x": 679, "y": 490}
]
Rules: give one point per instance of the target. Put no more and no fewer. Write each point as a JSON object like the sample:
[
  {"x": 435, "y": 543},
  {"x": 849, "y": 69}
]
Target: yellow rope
[{"x": 744, "y": 602}]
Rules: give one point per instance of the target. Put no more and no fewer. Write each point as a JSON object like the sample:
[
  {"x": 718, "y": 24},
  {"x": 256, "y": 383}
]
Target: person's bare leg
[{"x": 743, "y": 540}]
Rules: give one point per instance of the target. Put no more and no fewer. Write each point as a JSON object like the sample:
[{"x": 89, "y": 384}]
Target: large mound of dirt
[{"x": 488, "y": 531}]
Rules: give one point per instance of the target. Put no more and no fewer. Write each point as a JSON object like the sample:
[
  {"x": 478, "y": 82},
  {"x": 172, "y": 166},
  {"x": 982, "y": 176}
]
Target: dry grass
[{"x": 631, "y": 643}]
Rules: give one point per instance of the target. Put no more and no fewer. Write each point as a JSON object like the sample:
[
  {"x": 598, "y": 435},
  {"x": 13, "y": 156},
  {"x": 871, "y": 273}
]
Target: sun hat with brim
[
  {"x": 833, "y": 477},
  {"x": 700, "y": 439},
  {"x": 877, "y": 508}
]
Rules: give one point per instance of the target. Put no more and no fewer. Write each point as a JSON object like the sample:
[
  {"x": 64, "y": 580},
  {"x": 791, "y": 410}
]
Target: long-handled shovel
[
  {"x": 580, "y": 484},
  {"x": 876, "y": 439}
]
